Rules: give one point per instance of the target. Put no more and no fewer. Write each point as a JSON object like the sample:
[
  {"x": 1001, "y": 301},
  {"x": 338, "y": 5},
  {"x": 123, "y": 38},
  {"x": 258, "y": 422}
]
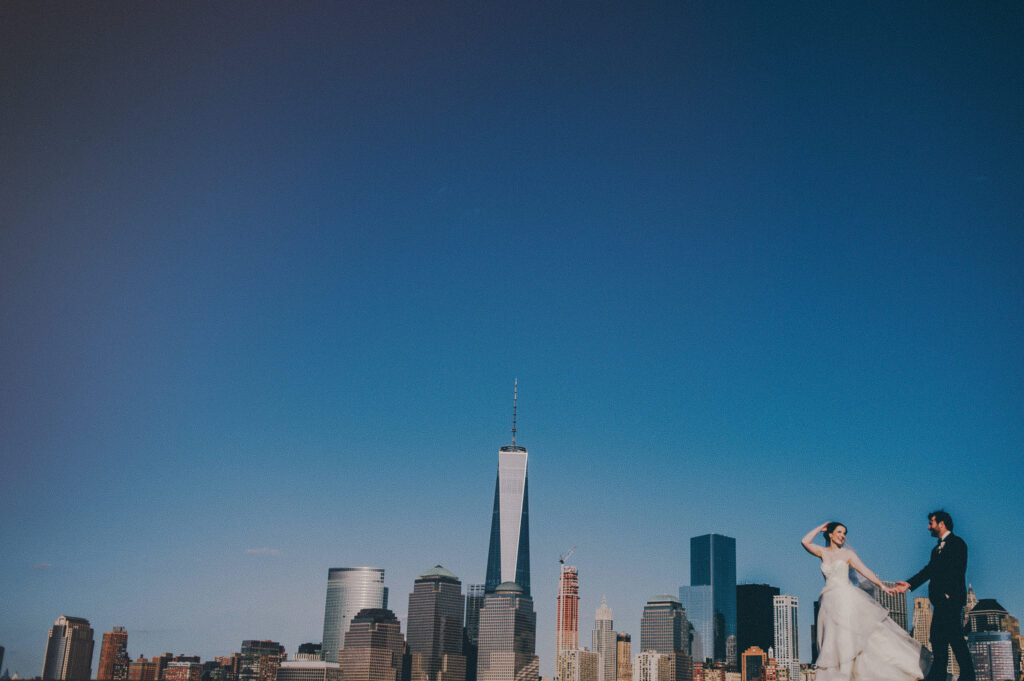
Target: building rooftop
[{"x": 438, "y": 571}]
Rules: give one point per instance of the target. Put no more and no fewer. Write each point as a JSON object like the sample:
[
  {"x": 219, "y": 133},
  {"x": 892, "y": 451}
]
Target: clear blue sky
[{"x": 267, "y": 274}]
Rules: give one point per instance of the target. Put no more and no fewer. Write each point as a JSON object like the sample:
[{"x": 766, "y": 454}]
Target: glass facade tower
[
  {"x": 713, "y": 563},
  {"x": 349, "y": 590},
  {"x": 696, "y": 601},
  {"x": 508, "y": 558},
  {"x": 754, "y": 619},
  {"x": 605, "y": 641}
]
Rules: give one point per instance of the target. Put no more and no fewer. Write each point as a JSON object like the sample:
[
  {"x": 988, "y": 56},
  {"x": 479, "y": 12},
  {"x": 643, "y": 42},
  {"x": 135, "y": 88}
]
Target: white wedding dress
[{"x": 857, "y": 641}]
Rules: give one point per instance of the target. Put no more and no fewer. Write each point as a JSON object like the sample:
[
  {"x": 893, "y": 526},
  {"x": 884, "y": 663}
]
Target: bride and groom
[{"x": 857, "y": 641}]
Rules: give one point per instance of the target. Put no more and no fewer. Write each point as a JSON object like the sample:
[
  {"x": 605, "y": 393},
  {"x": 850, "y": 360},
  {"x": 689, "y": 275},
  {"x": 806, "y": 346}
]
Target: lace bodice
[{"x": 835, "y": 569}]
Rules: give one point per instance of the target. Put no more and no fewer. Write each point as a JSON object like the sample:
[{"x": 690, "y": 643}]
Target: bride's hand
[{"x": 890, "y": 590}]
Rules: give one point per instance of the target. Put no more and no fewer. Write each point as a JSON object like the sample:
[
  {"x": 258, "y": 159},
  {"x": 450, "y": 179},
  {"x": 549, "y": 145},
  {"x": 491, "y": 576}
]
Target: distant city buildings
[
  {"x": 605, "y": 643},
  {"x": 753, "y": 664},
  {"x": 69, "y": 647},
  {"x": 754, "y": 616},
  {"x": 567, "y": 611},
  {"x": 349, "y": 590},
  {"x": 895, "y": 603},
  {"x": 577, "y": 665},
  {"x": 434, "y": 628},
  {"x": 474, "y": 601},
  {"x": 662, "y": 626},
  {"x": 508, "y": 557},
  {"x": 309, "y": 670},
  {"x": 374, "y": 649},
  {"x": 990, "y": 640},
  {"x": 508, "y": 633},
  {"x": 787, "y": 650},
  {"x": 258, "y": 660},
  {"x": 713, "y": 563},
  {"x": 114, "y": 660},
  {"x": 645, "y": 665},
  {"x": 696, "y": 601},
  {"x": 623, "y": 657},
  {"x": 309, "y": 652}
]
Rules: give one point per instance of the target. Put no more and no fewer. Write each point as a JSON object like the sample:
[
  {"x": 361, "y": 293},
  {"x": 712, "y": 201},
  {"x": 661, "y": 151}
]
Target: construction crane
[{"x": 562, "y": 559}]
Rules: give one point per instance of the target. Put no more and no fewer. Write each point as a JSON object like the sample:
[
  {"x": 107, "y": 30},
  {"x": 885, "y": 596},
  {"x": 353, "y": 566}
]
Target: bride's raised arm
[
  {"x": 860, "y": 567},
  {"x": 808, "y": 541}
]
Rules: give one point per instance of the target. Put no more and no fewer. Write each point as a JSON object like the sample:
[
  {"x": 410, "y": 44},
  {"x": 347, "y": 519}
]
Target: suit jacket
[{"x": 945, "y": 573}]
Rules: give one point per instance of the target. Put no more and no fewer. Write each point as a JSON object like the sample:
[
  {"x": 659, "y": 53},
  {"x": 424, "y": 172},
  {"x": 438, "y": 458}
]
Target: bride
[{"x": 857, "y": 641}]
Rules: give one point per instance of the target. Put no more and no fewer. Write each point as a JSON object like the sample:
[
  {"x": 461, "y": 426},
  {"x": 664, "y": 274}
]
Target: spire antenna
[{"x": 515, "y": 400}]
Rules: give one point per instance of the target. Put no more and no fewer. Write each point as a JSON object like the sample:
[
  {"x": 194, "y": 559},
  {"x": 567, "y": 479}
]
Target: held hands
[{"x": 901, "y": 588}]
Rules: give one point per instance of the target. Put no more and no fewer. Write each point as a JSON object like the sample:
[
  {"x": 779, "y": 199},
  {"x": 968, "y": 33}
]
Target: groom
[{"x": 948, "y": 593}]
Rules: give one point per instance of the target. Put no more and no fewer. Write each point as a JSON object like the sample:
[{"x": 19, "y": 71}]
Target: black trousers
[{"x": 948, "y": 632}]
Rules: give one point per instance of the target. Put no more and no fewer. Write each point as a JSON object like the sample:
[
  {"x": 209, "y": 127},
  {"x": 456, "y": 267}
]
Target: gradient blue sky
[{"x": 267, "y": 274}]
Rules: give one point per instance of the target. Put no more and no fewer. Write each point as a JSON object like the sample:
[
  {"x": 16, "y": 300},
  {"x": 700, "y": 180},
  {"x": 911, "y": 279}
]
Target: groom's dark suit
[{"x": 947, "y": 590}]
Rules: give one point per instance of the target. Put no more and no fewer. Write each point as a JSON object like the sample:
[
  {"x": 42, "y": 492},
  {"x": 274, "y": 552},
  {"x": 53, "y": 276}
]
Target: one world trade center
[{"x": 508, "y": 558}]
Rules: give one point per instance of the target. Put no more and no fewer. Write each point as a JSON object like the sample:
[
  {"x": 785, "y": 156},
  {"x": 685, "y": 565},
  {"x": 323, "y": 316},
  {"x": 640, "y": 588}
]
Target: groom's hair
[{"x": 941, "y": 516}]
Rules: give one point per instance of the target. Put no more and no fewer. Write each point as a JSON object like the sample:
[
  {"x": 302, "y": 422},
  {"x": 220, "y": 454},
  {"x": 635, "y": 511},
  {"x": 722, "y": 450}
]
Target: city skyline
[{"x": 268, "y": 275}]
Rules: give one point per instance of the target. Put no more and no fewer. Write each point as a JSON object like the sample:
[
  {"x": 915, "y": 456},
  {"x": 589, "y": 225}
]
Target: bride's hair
[{"x": 831, "y": 528}]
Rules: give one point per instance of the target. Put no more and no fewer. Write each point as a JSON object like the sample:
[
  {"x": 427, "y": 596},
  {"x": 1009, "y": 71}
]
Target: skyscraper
[
  {"x": 374, "y": 649},
  {"x": 69, "y": 649},
  {"x": 567, "y": 615},
  {"x": 508, "y": 635},
  {"x": 474, "y": 601},
  {"x": 663, "y": 625},
  {"x": 508, "y": 557},
  {"x": 575, "y": 664},
  {"x": 713, "y": 563},
  {"x": 434, "y": 629},
  {"x": 349, "y": 590},
  {"x": 604, "y": 642},
  {"x": 114, "y": 660},
  {"x": 923, "y": 622},
  {"x": 895, "y": 603},
  {"x": 696, "y": 601},
  {"x": 623, "y": 657},
  {"x": 754, "y": 662},
  {"x": 754, "y": 616},
  {"x": 787, "y": 650},
  {"x": 258, "y": 660}
]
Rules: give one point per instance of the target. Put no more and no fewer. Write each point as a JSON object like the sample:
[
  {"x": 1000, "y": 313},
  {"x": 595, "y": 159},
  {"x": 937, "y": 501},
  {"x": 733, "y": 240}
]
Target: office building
[
  {"x": 183, "y": 671},
  {"x": 577, "y": 665},
  {"x": 675, "y": 666},
  {"x": 895, "y": 603},
  {"x": 308, "y": 670},
  {"x": 645, "y": 665},
  {"x": 605, "y": 643},
  {"x": 434, "y": 628},
  {"x": 754, "y": 616},
  {"x": 713, "y": 563},
  {"x": 258, "y": 660},
  {"x": 567, "y": 611},
  {"x": 373, "y": 649},
  {"x": 114, "y": 660},
  {"x": 309, "y": 652},
  {"x": 508, "y": 557},
  {"x": 623, "y": 657},
  {"x": 696, "y": 602},
  {"x": 992, "y": 653},
  {"x": 923, "y": 622},
  {"x": 787, "y": 651},
  {"x": 69, "y": 647},
  {"x": 753, "y": 664},
  {"x": 142, "y": 670},
  {"x": 474, "y": 601},
  {"x": 508, "y": 635},
  {"x": 349, "y": 590},
  {"x": 662, "y": 626}
]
